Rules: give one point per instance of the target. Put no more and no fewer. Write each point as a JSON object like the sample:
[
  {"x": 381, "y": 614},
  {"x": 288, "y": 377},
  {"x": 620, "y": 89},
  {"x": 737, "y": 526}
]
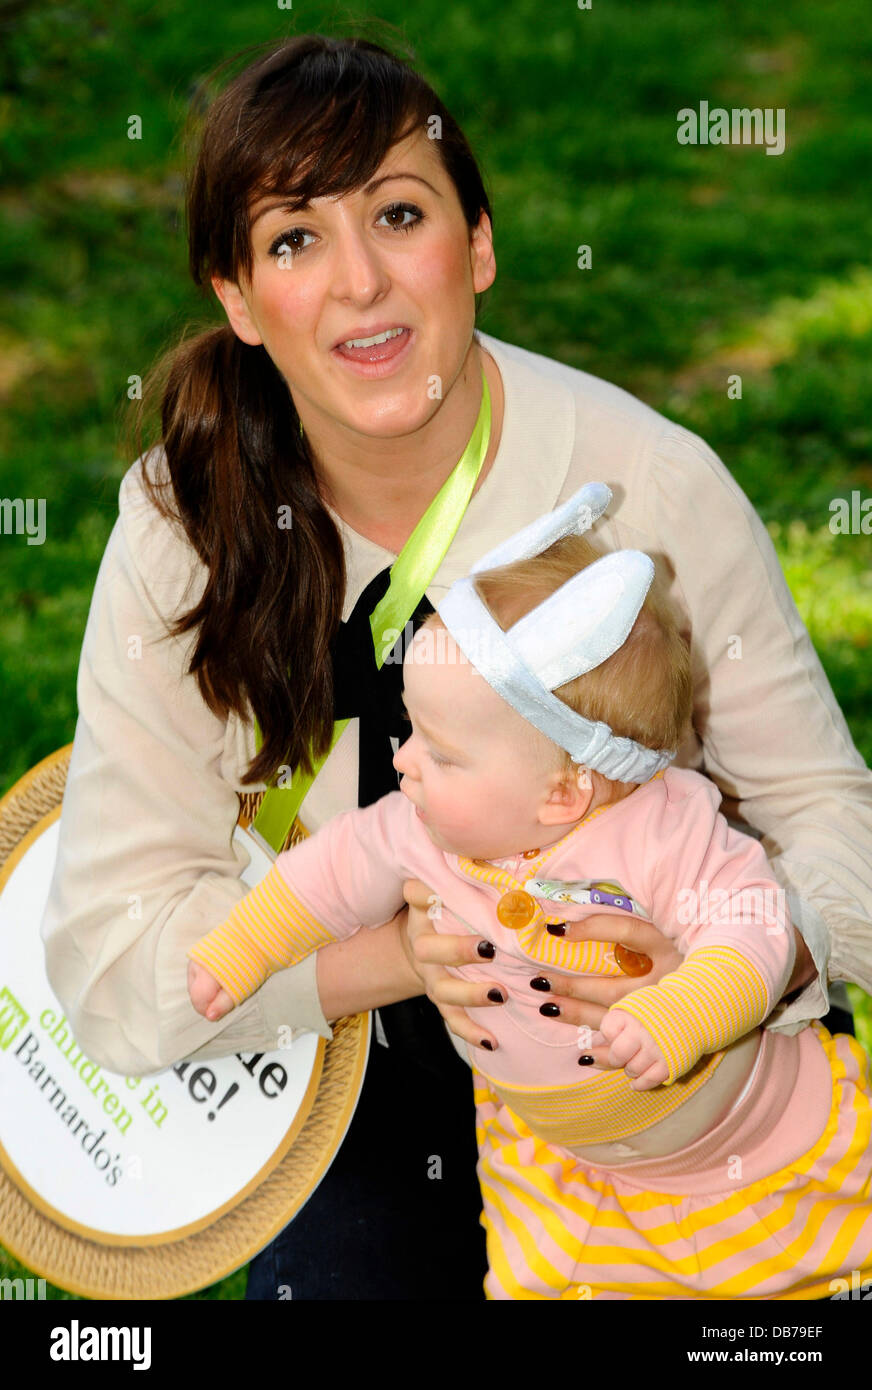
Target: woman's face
[{"x": 399, "y": 255}]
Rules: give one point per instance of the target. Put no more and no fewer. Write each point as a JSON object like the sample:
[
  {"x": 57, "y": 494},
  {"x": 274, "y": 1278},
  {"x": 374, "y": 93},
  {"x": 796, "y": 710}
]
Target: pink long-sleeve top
[{"x": 664, "y": 852}]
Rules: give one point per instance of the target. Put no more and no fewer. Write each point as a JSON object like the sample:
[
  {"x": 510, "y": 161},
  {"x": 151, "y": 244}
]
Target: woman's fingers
[
  {"x": 439, "y": 948},
  {"x": 432, "y": 948},
  {"x": 582, "y": 999},
  {"x": 432, "y": 952},
  {"x": 597, "y": 993},
  {"x": 579, "y": 1000},
  {"x": 453, "y": 996},
  {"x": 637, "y": 935},
  {"x": 419, "y": 896},
  {"x": 460, "y": 1023},
  {"x": 468, "y": 994}
]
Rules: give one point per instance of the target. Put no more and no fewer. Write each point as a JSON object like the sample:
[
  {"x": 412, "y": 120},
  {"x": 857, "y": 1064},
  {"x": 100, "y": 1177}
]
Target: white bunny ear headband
[{"x": 573, "y": 630}]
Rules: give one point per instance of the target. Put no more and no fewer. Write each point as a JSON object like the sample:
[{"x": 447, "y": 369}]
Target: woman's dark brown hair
[{"x": 312, "y": 118}]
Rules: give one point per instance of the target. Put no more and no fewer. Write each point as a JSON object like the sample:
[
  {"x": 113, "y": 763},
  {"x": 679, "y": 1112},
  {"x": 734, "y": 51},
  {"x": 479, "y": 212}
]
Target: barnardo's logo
[{"x": 12, "y": 1018}]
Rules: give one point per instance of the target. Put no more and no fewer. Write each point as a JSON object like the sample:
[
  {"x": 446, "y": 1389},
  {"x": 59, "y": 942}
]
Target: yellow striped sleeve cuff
[
  {"x": 715, "y": 997},
  {"x": 268, "y": 930}
]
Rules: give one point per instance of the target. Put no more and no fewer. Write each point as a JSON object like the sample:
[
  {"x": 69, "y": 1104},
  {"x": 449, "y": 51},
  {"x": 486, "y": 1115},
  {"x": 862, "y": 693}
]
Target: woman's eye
[
  {"x": 284, "y": 245},
  {"x": 417, "y": 216}
]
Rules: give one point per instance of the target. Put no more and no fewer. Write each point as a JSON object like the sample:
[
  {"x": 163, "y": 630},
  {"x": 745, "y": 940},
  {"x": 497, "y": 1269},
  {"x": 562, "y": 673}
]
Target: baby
[{"x": 546, "y": 702}]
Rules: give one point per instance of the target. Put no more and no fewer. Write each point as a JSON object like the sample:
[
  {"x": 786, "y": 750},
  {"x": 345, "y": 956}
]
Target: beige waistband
[
  {"x": 605, "y": 1108},
  {"x": 702, "y": 1109},
  {"x": 777, "y": 1118}
]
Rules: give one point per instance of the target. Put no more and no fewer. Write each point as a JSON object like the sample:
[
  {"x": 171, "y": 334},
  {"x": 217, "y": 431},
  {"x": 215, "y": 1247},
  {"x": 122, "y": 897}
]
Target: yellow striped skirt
[{"x": 774, "y": 1203}]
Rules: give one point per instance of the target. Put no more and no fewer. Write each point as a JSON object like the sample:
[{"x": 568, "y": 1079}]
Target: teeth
[{"x": 379, "y": 338}]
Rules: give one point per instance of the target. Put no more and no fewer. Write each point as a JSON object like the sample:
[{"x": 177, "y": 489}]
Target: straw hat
[{"x": 112, "y": 1271}]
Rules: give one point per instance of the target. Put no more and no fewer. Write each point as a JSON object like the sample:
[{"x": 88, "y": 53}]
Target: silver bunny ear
[
  {"x": 586, "y": 620},
  {"x": 572, "y": 518},
  {"x": 573, "y": 630}
]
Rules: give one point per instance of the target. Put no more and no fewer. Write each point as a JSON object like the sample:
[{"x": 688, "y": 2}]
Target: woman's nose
[{"x": 359, "y": 273}]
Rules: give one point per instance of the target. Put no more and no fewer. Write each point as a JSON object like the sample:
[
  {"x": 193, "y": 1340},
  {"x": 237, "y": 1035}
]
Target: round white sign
[{"x": 128, "y": 1159}]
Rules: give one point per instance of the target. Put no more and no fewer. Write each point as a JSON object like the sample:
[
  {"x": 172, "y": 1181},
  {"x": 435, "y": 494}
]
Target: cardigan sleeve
[
  {"x": 773, "y": 735},
  {"x": 348, "y": 874},
  {"x": 146, "y": 863}
]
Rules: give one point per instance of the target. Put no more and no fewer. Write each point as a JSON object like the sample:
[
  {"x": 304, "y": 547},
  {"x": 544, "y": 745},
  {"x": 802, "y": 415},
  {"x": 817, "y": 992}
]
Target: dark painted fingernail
[
  {"x": 557, "y": 928},
  {"x": 488, "y": 1046},
  {"x": 550, "y": 1010},
  {"x": 586, "y": 1060},
  {"x": 540, "y": 983},
  {"x": 496, "y": 996},
  {"x": 486, "y": 949}
]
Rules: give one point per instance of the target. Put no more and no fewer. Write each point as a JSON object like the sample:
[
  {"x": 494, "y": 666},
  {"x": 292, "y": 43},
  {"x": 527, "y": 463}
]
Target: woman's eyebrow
[{"x": 295, "y": 207}]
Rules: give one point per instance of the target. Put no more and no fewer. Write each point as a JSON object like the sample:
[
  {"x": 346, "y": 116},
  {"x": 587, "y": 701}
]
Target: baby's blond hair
[{"x": 644, "y": 691}]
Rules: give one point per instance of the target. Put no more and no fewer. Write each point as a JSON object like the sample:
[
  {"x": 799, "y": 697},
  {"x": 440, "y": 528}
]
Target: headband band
[{"x": 572, "y": 631}]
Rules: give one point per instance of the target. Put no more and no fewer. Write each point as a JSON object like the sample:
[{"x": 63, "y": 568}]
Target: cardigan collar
[{"x": 525, "y": 479}]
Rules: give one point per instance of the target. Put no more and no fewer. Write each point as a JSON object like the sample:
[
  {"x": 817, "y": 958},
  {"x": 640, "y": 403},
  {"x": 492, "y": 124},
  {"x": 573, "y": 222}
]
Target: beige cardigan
[{"x": 146, "y": 863}]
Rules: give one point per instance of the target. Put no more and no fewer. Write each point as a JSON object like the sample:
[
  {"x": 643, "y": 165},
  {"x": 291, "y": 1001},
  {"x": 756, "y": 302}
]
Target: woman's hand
[
  {"x": 579, "y": 1000},
  {"x": 584, "y": 999},
  {"x": 429, "y": 952}
]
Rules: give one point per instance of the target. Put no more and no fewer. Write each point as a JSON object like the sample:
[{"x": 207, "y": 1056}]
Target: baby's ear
[{"x": 569, "y": 796}]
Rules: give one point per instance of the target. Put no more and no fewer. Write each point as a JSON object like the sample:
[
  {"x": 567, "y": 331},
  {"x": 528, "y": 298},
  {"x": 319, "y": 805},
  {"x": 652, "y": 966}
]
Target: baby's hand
[
  {"x": 207, "y": 996},
  {"x": 633, "y": 1048}
]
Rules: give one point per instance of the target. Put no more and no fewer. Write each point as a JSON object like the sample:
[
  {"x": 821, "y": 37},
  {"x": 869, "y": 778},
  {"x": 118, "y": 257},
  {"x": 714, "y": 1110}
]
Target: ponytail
[{"x": 244, "y": 489}]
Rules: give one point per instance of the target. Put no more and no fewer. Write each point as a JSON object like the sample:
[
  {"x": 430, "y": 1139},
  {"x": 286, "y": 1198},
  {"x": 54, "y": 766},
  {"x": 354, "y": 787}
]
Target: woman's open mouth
[{"x": 376, "y": 355}]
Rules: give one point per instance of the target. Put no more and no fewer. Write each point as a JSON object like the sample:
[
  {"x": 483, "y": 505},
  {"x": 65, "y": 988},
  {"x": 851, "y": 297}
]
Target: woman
[{"x": 300, "y": 456}]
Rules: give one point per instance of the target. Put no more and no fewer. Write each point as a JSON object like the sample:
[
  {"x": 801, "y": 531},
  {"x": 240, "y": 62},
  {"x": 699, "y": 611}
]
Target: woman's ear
[
  {"x": 482, "y": 259},
  {"x": 569, "y": 796},
  {"x": 237, "y": 311}
]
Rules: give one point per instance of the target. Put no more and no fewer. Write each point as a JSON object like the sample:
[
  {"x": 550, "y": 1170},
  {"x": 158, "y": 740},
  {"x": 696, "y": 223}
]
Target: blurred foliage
[{"x": 707, "y": 262}]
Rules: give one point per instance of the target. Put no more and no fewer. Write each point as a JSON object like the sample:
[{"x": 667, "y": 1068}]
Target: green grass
[{"x": 707, "y": 262}]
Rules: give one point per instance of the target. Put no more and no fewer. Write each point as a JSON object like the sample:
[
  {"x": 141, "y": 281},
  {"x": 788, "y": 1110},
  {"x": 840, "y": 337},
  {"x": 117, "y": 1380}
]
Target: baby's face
[{"x": 475, "y": 770}]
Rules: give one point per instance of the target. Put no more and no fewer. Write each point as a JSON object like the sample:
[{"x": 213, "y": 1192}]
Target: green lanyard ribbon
[{"x": 411, "y": 573}]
